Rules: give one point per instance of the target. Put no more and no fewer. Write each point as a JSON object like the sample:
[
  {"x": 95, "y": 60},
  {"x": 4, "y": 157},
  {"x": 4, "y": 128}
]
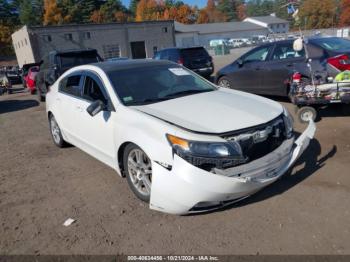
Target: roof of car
[
  {"x": 110, "y": 66},
  {"x": 72, "y": 51}
]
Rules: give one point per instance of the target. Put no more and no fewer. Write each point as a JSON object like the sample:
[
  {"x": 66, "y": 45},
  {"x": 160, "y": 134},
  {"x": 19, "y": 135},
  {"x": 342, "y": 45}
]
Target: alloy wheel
[{"x": 140, "y": 171}]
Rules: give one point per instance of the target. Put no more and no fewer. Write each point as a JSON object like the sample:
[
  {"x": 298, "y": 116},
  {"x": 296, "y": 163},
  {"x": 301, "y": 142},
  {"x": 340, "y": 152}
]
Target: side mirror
[
  {"x": 240, "y": 62},
  {"x": 298, "y": 45},
  {"x": 95, "y": 107}
]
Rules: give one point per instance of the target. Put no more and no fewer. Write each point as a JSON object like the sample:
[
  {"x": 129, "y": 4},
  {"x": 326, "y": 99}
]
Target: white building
[
  {"x": 271, "y": 22},
  {"x": 201, "y": 34}
]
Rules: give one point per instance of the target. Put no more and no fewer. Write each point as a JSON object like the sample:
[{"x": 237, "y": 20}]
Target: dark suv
[
  {"x": 196, "y": 59},
  {"x": 58, "y": 62}
]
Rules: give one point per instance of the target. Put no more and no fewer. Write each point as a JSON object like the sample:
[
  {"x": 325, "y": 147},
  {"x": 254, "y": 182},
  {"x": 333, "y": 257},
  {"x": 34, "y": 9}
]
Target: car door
[
  {"x": 69, "y": 95},
  {"x": 246, "y": 74},
  {"x": 279, "y": 68},
  {"x": 96, "y": 133}
]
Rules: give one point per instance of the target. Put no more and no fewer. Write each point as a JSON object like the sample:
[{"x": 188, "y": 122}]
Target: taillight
[
  {"x": 340, "y": 62},
  {"x": 296, "y": 78},
  {"x": 180, "y": 61}
]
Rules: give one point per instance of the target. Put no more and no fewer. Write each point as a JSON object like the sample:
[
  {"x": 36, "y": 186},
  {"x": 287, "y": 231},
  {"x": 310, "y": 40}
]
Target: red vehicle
[{"x": 29, "y": 78}]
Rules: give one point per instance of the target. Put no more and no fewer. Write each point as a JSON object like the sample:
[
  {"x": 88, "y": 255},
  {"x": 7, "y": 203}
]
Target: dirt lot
[{"x": 41, "y": 186}]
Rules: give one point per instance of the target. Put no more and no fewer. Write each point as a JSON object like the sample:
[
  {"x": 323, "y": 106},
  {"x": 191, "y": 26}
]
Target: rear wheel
[
  {"x": 138, "y": 170},
  {"x": 225, "y": 82},
  {"x": 40, "y": 87},
  {"x": 307, "y": 113}
]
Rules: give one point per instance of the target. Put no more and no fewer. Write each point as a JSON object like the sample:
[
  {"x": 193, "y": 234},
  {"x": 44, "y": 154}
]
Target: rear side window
[
  {"x": 194, "y": 52},
  {"x": 333, "y": 43},
  {"x": 71, "y": 60},
  {"x": 286, "y": 51},
  {"x": 71, "y": 85}
]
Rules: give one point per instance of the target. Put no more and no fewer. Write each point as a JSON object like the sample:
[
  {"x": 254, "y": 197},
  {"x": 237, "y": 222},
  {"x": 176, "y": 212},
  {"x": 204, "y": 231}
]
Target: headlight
[
  {"x": 288, "y": 122},
  {"x": 207, "y": 154}
]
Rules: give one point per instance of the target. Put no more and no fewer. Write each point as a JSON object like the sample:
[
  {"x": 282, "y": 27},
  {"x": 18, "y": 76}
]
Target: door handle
[
  {"x": 257, "y": 68},
  {"x": 289, "y": 65},
  {"x": 79, "y": 108}
]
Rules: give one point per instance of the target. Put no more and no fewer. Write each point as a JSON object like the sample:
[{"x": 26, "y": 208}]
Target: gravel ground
[{"x": 41, "y": 186}]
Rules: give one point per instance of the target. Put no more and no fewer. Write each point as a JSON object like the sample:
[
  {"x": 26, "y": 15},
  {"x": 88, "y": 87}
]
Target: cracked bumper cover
[{"x": 178, "y": 190}]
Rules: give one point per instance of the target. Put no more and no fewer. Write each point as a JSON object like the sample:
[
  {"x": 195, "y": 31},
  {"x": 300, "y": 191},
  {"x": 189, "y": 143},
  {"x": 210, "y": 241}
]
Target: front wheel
[
  {"x": 138, "y": 170},
  {"x": 225, "y": 82},
  {"x": 56, "y": 132}
]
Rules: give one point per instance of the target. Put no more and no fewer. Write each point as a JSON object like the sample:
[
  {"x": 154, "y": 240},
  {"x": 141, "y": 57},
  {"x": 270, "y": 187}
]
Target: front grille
[{"x": 261, "y": 140}]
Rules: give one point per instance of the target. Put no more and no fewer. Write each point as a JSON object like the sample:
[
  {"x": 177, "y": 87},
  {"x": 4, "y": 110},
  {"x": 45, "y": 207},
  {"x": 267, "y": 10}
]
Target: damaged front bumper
[{"x": 187, "y": 189}]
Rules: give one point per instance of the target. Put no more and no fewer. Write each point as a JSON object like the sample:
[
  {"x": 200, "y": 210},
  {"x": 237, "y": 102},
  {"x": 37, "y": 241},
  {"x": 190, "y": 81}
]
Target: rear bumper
[
  {"x": 206, "y": 71},
  {"x": 187, "y": 189}
]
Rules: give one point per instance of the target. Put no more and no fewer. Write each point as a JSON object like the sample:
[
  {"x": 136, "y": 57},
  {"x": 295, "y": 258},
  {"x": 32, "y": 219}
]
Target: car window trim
[{"x": 105, "y": 92}]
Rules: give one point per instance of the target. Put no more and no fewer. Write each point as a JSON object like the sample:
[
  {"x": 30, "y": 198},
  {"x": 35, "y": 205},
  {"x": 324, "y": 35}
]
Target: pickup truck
[{"x": 57, "y": 62}]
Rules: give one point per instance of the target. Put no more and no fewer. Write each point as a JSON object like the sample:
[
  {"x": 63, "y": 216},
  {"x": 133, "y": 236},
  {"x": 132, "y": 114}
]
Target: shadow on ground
[{"x": 8, "y": 106}]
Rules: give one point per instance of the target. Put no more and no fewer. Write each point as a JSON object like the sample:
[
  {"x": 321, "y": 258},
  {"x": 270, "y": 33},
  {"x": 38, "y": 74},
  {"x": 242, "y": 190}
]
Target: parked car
[
  {"x": 25, "y": 69},
  {"x": 236, "y": 42},
  {"x": 183, "y": 144},
  {"x": 13, "y": 75},
  {"x": 29, "y": 79},
  {"x": 195, "y": 58},
  {"x": 267, "y": 69},
  {"x": 57, "y": 62}
]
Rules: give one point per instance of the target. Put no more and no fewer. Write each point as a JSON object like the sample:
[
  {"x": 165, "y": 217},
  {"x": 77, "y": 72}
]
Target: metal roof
[
  {"x": 269, "y": 19},
  {"x": 212, "y": 28}
]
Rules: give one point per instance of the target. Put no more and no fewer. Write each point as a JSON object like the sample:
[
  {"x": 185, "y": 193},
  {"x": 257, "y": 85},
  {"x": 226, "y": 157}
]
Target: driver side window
[
  {"x": 258, "y": 55},
  {"x": 93, "y": 90}
]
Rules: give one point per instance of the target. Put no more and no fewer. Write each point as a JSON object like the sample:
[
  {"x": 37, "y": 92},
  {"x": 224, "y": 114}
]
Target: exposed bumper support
[{"x": 178, "y": 190}]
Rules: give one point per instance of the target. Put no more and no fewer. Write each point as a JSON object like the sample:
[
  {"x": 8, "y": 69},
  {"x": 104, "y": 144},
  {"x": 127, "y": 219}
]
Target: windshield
[
  {"x": 146, "y": 85},
  {"x": 333, "y": 43},
  {"x": 194, "y": 52}
]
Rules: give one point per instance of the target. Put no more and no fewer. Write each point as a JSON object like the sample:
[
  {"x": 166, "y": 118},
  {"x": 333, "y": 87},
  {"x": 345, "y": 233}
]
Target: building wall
[
  {"x": 281, "y": 28},
  {"x": 111, "y": 40},
  {"x": 22, "y": 44},
  {"x": 186, "y": 39}
]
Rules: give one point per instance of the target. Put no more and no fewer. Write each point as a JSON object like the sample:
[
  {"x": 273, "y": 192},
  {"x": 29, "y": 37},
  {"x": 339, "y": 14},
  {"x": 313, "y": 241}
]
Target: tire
[
  {"x": 40, "y": 86},
  {"x": 56, "y": 133},
  {"x": 306, "y": 113},
  {"x": 225, "y": 82},
  {"x": 138, "y": 171},
  {"x": 345, "y": 109}
]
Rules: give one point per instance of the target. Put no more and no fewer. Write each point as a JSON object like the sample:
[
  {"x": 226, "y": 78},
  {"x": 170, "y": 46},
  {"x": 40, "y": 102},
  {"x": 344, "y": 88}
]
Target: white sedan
[{"x": 183, "y": 144}]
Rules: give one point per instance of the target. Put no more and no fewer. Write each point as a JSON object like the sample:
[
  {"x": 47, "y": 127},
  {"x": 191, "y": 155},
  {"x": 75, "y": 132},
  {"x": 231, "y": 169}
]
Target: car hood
[{"x": 216, "y": 112}]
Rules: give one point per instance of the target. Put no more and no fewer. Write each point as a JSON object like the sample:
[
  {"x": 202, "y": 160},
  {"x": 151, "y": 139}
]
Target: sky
[{"x": 199, "y": 3}]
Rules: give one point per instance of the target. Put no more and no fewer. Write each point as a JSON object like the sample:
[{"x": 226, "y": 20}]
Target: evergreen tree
[
  {"x": 30, "y": 12},
  {"x": 133, "y": 7},
  {"x": 229, "y": 8}
]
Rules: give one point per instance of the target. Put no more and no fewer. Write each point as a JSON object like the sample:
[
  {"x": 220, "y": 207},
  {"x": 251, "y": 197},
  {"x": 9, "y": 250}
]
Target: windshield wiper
[
  {"x": 187, "y": 92},
  {"x": 147, "y": 101}
]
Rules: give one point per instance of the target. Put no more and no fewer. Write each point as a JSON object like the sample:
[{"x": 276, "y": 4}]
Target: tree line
[{"x": 16, "y": 13}]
